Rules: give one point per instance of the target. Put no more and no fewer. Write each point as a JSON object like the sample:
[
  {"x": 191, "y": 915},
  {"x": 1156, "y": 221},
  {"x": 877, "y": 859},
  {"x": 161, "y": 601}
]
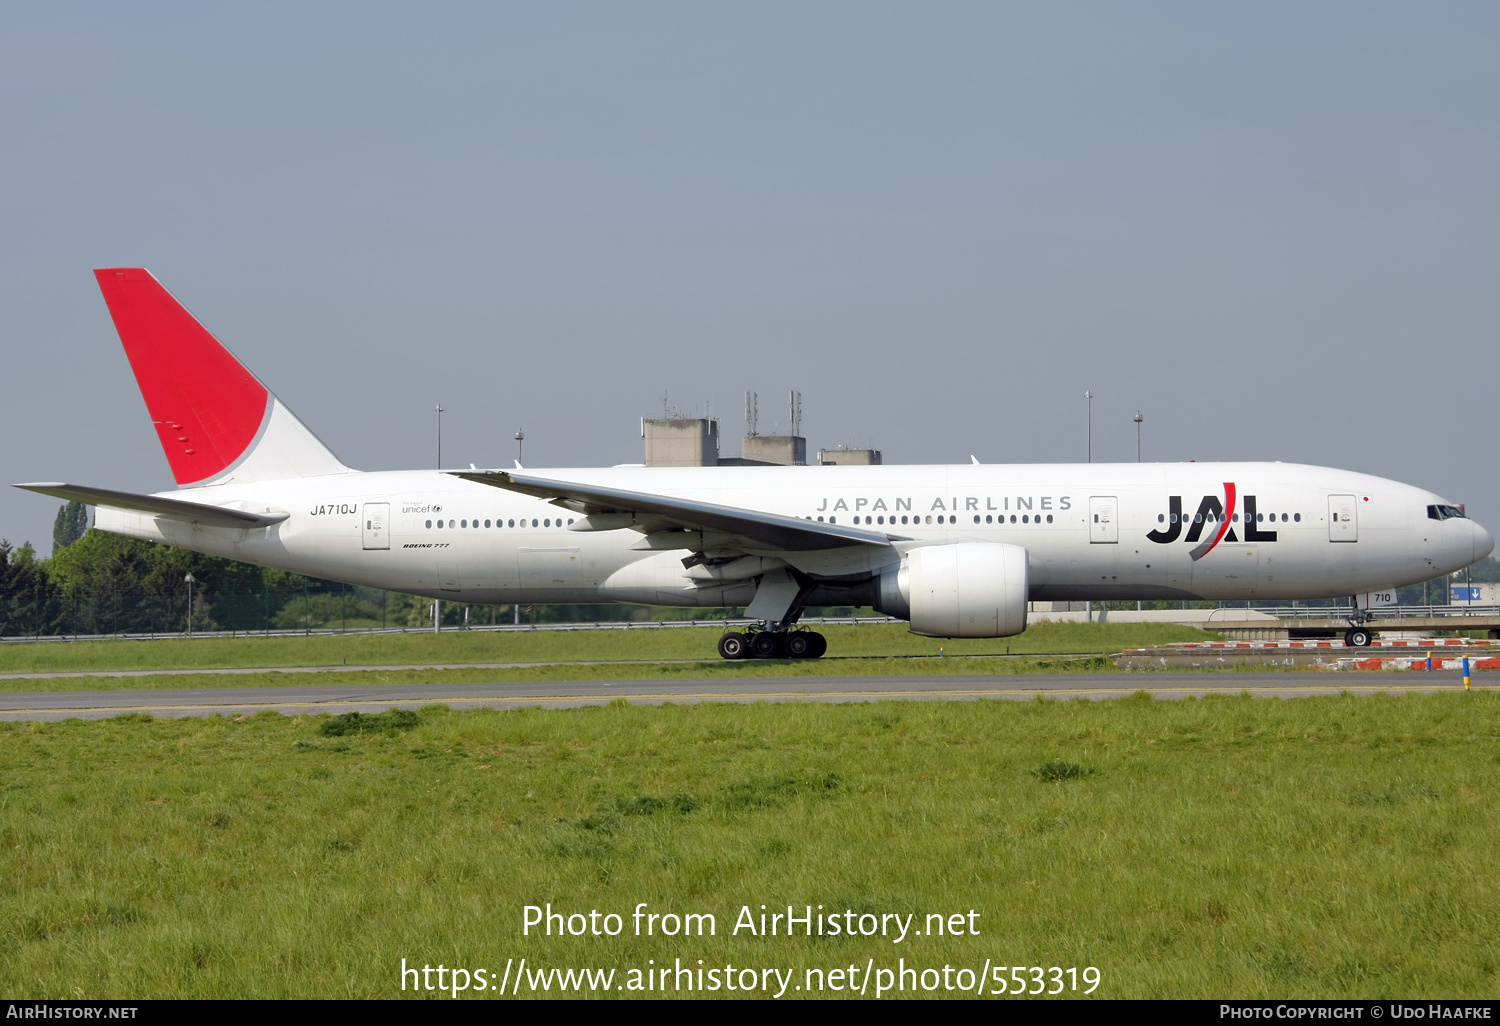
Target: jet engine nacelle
[{"x": 963, "y": 590}]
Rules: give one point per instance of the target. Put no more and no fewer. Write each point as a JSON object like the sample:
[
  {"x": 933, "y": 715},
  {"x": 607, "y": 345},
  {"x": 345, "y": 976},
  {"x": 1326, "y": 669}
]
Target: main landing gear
[
  {"x": 779, "y": 600},
  {"x": 772, "y": 644}
]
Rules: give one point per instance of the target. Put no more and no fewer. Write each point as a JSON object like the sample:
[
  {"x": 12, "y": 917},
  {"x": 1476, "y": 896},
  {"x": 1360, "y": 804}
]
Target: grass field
[
  {"x": 1222, "y": 847},
  {"x": 868, "y": 640}
]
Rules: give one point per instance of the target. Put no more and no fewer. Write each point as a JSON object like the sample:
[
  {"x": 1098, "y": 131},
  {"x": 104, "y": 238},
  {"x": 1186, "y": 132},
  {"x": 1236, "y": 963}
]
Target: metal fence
[
  {"x": 1378, "y": 613},
  {"x": 618, "y": 625},
  {"x": 273, "y": 612}
]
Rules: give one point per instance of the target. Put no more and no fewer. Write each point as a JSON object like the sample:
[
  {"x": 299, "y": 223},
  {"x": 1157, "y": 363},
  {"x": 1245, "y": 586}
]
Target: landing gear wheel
[
  {"x": 734, "y": 646},
  {"x": 820, "y": 645},
  {"x": 765, "y": 645},
  {"x": 799, "y": 645},
  {"x": 1357, "y": 637}
]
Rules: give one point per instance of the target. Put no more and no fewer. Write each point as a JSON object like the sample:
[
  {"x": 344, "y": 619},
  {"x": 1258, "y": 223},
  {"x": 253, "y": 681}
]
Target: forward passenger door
[
  {"x": 1104, "y": 517},
  {"x": 1343, "y": 518}
]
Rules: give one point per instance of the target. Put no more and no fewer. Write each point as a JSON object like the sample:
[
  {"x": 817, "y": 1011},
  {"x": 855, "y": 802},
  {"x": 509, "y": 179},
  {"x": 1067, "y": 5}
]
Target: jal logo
[{"x": 1212, "y": 523}]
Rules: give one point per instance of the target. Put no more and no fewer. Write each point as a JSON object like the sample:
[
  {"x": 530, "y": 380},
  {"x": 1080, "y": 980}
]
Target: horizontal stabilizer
[{"x": 175, "y": 509}]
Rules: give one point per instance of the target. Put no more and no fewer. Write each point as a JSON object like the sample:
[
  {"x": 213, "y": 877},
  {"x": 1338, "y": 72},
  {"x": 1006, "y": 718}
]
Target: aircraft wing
[
  {"x": 762, "y": 530},
  {"x": 174, "y": 509}
]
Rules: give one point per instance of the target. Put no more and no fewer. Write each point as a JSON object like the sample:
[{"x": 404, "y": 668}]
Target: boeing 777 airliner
[{"x": 957, "y": 551}]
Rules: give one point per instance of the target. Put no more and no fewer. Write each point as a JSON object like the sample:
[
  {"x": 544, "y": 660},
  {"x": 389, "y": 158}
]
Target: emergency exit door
[
  {"x": 1343, "y": 518},
  {"x": 377, "y": 516},
  {"x": 1104, "y": 519}
]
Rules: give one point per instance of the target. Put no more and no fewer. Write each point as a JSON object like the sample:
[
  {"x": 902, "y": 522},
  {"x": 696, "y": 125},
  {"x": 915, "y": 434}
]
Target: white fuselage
[{"x": 1054, "y": 511}]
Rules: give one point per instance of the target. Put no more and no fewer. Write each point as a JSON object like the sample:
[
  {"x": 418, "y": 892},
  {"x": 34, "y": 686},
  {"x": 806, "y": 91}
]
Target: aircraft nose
[{"x": 1484, "y": 543}]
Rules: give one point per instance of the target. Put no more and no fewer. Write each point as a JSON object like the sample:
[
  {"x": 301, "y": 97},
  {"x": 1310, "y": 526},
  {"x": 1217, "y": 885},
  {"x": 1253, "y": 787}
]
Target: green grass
[
  {"x": 1226, "y": 847},
  {"x": 546, "y": 646}
]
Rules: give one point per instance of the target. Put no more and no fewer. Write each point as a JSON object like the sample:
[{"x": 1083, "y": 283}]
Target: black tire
[
  {"x": 799, "y": 645},
  {"x": 734, "y": 646},
  {"x": 765, "y": 645},
  {"x": 1357, "y": 637},
  {"x": 820, "y": 645}
]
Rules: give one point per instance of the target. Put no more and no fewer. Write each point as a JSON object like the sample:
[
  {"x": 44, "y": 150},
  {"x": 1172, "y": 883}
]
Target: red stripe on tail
[{"x": 206, "y": 406}]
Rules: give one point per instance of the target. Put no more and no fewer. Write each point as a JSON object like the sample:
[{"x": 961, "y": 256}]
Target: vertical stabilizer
[{"x": 216, "y": 422}]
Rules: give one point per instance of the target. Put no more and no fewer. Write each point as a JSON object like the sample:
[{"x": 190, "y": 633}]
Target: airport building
[{"x": 694, "y": 442}]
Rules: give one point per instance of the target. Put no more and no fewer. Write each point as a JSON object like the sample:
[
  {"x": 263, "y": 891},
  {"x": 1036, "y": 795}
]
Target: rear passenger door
[{"x": 376, "y": 525}]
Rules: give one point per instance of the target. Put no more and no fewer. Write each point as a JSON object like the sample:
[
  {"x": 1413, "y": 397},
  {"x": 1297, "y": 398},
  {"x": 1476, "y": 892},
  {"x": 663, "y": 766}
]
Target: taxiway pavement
[{"x": 377, "y": 698}]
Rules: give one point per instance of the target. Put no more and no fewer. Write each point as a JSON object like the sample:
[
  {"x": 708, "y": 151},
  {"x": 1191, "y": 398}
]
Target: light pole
[
  {"x": 1138, "y": 418},
  {"x": 440, "y": 435},
  {"x": 1090, "y": 397},
  {"x": 520, "y": 437},
  {"x": 189, "y": 579}
]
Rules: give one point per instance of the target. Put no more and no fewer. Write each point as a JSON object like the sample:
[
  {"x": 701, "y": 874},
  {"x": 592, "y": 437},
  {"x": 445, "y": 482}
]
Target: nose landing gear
[{"x": 1358, "y": 635}]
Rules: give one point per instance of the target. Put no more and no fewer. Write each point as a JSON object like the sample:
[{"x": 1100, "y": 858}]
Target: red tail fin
[{"x": 206, "y": 406}]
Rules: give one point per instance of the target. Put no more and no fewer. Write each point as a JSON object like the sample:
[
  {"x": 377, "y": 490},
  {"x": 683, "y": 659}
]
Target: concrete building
[
  {"x": 694, "y": 442},
  {"x": 842, "y": 457},
  {"x": 681, "y": 442},
  {"x": 779, "y": 450}
]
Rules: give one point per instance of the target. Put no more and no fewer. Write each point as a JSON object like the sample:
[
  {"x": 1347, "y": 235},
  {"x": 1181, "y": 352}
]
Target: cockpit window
[{"x": 1443, "y": 512}]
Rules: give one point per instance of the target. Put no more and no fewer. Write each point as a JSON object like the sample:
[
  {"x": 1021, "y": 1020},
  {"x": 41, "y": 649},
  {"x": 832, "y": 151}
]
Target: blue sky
[{"x": 1271, "y": 228}]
